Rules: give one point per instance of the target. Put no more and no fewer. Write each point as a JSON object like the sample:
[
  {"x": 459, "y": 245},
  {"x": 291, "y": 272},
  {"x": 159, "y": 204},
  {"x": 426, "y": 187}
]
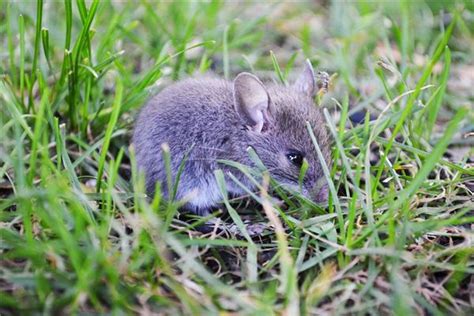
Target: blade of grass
[
  {"x": 110, "y": 128},
  {"x": 11, "y": 48},
  {"x": 39, "y": 21},
  {"x": 232, "y": 212},
  {"x": 37, "y": 134},
  {"x": 76, "y": 57},
  {"x": 288, "y": 273},
  {"x": 329, "y": 181},
  {"x": 289, "y": 65},
  {"x": 277, "y": 68},
  {"x": 21, "y": 22},
  {"x": 433, "y": 109}
]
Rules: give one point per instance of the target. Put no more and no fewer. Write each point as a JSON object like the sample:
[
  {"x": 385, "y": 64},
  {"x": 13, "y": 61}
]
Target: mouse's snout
[{"x": 319, "y": 193}]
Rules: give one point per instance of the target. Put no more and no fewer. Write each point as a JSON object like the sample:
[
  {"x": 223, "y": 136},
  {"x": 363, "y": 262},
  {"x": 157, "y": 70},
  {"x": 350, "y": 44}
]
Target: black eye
[{"x": 295, "y": 157}]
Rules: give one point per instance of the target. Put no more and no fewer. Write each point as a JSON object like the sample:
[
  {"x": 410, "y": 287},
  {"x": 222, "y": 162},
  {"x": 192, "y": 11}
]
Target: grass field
[{"x": 79, "y": 236}]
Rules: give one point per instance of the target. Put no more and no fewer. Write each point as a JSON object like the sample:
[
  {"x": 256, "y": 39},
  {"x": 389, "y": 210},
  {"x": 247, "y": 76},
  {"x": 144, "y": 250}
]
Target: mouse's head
[{"x": 275, "y": 117}]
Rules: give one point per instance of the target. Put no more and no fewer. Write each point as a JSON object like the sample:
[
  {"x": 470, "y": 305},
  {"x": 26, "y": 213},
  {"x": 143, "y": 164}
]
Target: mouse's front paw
[
  {"x": 256, "y": 229},
  {"x": 253, "y": 230}
]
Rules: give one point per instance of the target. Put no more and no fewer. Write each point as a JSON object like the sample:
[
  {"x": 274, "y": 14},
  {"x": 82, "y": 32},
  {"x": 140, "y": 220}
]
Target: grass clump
[{"x": 78, "y": 234}]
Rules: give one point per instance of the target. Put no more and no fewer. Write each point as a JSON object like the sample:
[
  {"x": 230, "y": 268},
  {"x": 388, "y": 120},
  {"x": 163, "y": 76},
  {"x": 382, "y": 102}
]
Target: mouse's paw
[
  {"x": 256, "y": 229},
  {"x": 253, "y": 229}
]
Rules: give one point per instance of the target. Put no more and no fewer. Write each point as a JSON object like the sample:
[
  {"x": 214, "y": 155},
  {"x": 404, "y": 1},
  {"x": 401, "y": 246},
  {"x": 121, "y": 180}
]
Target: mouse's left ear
[
  {"x": 251, "y": 101},
  {"x": 306, "y": 82}
]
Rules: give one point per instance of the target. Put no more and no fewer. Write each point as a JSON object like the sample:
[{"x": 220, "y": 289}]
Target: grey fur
[{"x": 200, "y": 116}]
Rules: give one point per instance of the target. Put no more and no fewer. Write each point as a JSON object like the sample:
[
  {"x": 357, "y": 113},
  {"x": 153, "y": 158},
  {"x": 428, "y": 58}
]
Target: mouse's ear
[
  {"x": 251, "y": 101},
  {"x": 306, "y": 83}
]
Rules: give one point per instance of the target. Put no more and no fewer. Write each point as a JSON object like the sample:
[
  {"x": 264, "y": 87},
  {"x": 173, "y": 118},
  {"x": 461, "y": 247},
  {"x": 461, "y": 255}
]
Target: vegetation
[{"x": 78, "y": 234}]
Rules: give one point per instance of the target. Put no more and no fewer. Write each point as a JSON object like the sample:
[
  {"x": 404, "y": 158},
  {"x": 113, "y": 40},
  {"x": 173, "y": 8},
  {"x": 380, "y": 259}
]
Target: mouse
[{"x": 205, "y": 120}]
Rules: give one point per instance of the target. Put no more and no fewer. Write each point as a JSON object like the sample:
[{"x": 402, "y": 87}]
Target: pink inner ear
[
  {"x": 260, "y": 128},
  {"x": 306, "y": 83},
  {"x": 307, "y": 88},
  {"x": 265, "y": 127}
]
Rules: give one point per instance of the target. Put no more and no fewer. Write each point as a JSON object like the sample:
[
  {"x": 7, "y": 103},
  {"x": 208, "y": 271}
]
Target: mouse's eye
[{"x": 295, "y": 157}]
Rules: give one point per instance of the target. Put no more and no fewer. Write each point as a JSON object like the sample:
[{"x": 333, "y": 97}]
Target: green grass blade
[
  {"x": 330, "y": 183},
  {"x": 21, "y": 22},
  {"x": 232, "y": 212},
  {"x": 108, "y": 133},
  {"x": 37, "y": 135},
  {"x": 39, "y": 20},
  {"x": 277, "y": 68},
  {"x": 433, "y": 109}
]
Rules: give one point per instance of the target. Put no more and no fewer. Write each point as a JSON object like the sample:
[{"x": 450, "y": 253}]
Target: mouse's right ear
[
  {"x": 251, "y": 101},
  {"x": 306, "y": 83}
]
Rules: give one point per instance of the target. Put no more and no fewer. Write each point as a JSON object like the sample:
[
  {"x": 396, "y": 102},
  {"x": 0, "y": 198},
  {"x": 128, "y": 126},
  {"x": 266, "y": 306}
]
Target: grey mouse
[{"x": 211, "y": 119}]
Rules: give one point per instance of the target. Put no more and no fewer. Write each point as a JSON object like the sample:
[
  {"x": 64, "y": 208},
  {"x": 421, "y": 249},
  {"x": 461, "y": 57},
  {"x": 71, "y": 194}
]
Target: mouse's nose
[{"x": 319, "y": 193}]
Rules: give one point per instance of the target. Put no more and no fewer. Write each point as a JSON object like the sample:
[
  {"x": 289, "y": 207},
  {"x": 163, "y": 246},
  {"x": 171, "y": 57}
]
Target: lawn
[{"x": 78, "y": 235}]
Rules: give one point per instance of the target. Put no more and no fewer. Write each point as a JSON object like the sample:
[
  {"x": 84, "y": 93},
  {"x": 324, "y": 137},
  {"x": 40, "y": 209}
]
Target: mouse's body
[{"x": 210, "y": 119}]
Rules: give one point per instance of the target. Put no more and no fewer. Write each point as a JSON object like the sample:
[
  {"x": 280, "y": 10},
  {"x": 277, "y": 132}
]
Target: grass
[{"x": 78, "y": 234}]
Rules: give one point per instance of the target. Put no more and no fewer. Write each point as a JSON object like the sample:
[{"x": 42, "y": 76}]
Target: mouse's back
[{"x": 195, "y": 118}]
